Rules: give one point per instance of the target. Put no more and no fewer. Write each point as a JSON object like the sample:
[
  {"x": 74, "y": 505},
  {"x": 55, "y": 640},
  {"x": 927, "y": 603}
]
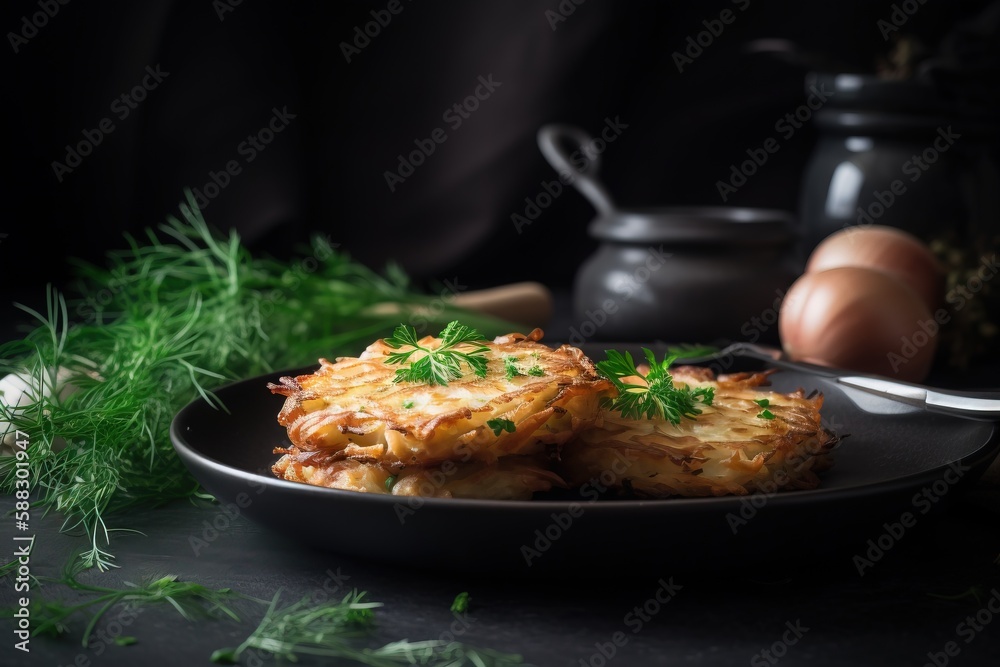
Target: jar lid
[
  {"x": 869, "y": 92},
  {"x": 695, "y": 224}
]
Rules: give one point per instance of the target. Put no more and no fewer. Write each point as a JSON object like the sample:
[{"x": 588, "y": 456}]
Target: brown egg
[
  {"x": 859, "y": 319},
  {"x": 887, "y": 249}
]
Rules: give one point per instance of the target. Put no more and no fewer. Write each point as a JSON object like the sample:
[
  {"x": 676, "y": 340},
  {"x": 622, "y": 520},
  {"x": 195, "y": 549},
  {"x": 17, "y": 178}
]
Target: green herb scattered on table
[
  {"x": 330, "y": 630},
  {"x": 191, "y": 601},
  {"x": 461, "y": 603},
  {"x": 656, "y": 397}
]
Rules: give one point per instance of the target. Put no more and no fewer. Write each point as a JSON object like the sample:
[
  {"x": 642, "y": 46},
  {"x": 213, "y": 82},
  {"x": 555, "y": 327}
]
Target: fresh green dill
[
  {"x": 331, "y": 630},
  {"x": 441, "y": 364},
  {"x": 536, "y": 371},
  {"x": 656, "y": 397},
  {"x": 179, "y": 311},
  {"x": 191, "y": 601},
  {"x": 762, "y": 402},
  {"x": 765, "y": 414},
  {"x": 407, "y": 404},
  {"x": 499, "y": 425},
  {"x": 461, "y": 603},
  {"x": 390, "y": 481},
  {"x": 510, "y": 368}
]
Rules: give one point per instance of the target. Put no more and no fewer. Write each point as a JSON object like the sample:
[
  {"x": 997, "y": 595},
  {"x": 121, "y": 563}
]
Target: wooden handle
[{"x": 527, "y": 303}]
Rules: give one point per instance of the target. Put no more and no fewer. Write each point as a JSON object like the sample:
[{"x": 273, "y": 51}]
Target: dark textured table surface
[{"x": 892, "y": 615}]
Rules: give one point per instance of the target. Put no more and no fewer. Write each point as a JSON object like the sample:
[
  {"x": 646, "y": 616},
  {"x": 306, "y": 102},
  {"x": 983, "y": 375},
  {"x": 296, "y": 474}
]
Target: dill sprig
[
  {"x": 327, "y": 630},
  {"x": 175, "y": 314},
  {"x": 441, "y": 364},
  {"x": 655, "y": 397},
  {"x": 191, "y": 601}
]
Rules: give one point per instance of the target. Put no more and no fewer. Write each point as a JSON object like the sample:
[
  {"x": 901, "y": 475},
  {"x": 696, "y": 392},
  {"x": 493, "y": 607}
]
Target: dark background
[
  {"x": 452, "y": 218},
  {"x": 229, "y": 66}
]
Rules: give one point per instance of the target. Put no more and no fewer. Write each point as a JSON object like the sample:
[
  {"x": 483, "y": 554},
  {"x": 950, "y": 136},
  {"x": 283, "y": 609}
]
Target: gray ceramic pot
[{"x": 691, "y": 274}]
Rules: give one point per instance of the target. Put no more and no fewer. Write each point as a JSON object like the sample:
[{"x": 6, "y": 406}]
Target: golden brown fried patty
[
  {"x": 354, "y": 408},
  {"x": 728, "y": 449},
  {"x": 510, "y": 478}
]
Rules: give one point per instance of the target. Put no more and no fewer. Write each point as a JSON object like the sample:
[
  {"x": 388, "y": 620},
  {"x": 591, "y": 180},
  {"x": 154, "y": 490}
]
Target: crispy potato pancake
[
  {"x": 510, "y": 478},
  {"x": 726, "y": 450},
  {"x": 354, "y": 408}
]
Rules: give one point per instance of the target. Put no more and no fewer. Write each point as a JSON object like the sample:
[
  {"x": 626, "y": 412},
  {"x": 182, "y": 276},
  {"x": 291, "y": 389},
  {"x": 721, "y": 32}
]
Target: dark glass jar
[{"x": 897, "y": 153}]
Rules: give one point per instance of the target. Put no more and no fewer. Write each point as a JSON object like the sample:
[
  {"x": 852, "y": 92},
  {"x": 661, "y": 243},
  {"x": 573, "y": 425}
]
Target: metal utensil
[{"x": 980, "y": 406}]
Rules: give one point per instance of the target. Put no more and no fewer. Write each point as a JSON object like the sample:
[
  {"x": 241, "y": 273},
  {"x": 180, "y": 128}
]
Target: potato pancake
[
  {"x": 510, "y": 478},
  {"x": 532, "y": 399},
  {"x": 734, "y": 447}
]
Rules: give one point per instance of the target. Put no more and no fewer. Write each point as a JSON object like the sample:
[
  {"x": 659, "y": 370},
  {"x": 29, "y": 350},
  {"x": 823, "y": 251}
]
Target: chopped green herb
[
  {"x": 536, "y": 371},
  {"x": 765, "y": 414},
  {"x": 762, "y": 402},
  {"x": 441, "y": 364},
  {"x": 500, "y": 425},
  {"x": 390, "y": 481},
  {"x": 326, "y": 630},
  {"x": 510, "y": 367},
  {"x": 407, "y": 404},
  {"x": 191, "y": 600},
  {"x": 461, "y": 603},
  {"x": 125, "y": 640},
  {"x": 657, "y": 398}
]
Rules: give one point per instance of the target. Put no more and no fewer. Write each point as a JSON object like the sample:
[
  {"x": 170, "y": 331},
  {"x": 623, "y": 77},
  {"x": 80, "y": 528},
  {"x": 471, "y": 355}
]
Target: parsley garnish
[
  {"x": 442, "y": 364},
  {"x": 762, "y": 402},
  {"x": 765, "y": 414},
  {"x": 389, "y": 482},
  {"x": 510, "y": 367},
  {"x": 499, "y": 425},
  {"x": 657, "y": 398},
  {"x": 536, "y": 371},
  {"x": 407, "y": 405}
]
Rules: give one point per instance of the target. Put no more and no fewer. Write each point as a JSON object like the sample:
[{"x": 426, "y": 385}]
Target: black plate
[{"x": 896, "y": 460}]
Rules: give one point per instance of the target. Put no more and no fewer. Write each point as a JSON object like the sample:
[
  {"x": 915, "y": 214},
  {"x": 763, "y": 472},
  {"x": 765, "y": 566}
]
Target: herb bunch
[
  {"x": 176, "y": 313},
  {"x": 655, "y": 397}
]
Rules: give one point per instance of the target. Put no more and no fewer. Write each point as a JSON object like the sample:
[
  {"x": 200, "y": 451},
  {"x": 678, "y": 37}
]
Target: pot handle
[{"x": 552, "y": 140}]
